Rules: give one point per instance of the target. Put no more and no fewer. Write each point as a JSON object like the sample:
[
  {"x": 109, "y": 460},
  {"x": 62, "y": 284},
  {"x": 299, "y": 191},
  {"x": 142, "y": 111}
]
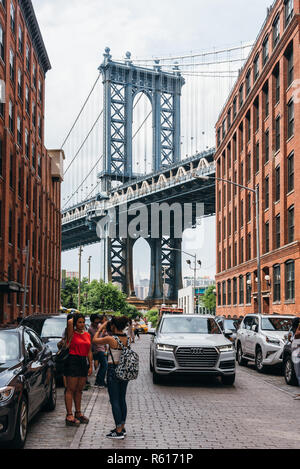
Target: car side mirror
[
  {"x": 254, "y": 328},
  {"x": 228, "y": 332},
  {"x": 33, "y": 353},
  {"x": 151, "y": 333}
]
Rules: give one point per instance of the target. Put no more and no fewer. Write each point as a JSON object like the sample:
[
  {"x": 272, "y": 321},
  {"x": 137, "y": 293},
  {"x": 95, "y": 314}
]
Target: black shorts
[{"x": 76, "y": 367}]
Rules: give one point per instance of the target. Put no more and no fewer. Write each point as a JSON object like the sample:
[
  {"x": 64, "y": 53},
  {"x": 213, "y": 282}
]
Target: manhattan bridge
[{"x": 145, "y": 136}]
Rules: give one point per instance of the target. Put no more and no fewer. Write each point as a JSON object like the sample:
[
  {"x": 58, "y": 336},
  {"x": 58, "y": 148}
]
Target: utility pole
[
  {"x": 79, "y": 280},
  {"x": 89, "y": 263}
]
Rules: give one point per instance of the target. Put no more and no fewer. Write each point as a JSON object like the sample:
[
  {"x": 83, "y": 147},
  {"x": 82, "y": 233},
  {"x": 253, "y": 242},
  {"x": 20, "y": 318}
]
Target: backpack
[{"x": 128, "y": 368}]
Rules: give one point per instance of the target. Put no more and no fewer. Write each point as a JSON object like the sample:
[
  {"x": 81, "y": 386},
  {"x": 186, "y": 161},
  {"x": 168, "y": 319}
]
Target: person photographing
[{"x": 117, "y": 341}]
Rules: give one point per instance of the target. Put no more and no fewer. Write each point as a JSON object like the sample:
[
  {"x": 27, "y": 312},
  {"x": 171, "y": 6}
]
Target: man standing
[{"x": 99, "y": 351}]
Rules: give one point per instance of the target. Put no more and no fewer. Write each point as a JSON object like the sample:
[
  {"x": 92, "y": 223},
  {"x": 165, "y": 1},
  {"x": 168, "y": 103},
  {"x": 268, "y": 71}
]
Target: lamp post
[
  {"x": 164, "y": 285},
  {"x": 193, "y": 268},
  {"x": 256, "y": 193}
]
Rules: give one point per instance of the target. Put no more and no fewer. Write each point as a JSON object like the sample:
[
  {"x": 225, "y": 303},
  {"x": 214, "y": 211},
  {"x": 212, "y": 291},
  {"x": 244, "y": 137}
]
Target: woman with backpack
[{"x": 118, "y": 343}]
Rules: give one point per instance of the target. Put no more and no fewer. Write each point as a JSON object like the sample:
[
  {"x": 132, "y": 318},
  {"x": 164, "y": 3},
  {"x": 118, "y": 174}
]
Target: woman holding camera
[
  {"x": 116, "y": 388},
  {"x": 76, "y": 368}
]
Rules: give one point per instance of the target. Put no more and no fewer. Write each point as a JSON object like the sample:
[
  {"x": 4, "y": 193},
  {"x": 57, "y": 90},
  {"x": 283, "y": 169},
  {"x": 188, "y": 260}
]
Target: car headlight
[
  {"x": 226, "y": 348},
  {"x": 271, "y": 340},
  {"x": 165, "y": 348},
  {"x": 6, "y": 393}
]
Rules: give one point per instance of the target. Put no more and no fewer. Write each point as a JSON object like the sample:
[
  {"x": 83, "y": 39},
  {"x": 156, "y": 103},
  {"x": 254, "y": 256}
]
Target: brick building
[
  {"x": 258, "y": 139},
  {"x": 30, "y": 176}
]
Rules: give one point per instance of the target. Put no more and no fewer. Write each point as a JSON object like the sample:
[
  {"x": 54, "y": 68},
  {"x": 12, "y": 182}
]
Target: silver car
[{"x": 191, "y": 344}]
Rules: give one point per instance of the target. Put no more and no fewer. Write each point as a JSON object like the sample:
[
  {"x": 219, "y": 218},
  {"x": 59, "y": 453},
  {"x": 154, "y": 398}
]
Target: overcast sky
[{"x": 76, "y": 33}]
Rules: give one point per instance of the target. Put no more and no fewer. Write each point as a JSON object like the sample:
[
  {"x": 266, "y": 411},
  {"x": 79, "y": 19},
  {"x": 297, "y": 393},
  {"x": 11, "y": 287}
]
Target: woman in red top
[{"x": 76, "y": 368}]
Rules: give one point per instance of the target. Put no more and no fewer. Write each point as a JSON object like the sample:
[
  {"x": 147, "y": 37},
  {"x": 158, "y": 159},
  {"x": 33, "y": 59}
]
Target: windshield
[
  {"x": 54, "y": 327},
  {"x": 190, "y": 325},
  {"x": 231, "y": 324},
  {"x": 9, "y": 347},
  {"x": 276, "y": 324}
]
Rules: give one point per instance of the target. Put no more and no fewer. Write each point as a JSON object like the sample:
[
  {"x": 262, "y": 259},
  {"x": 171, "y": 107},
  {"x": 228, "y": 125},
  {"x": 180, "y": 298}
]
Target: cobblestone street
[{"x": 258, "y": 412}]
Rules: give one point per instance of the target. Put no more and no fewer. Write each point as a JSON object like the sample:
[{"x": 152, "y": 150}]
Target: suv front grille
[{"x": 197, "y": 357}]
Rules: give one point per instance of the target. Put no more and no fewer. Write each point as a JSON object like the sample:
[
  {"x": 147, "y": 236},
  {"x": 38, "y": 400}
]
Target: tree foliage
[{"x": 209, "y": 298}]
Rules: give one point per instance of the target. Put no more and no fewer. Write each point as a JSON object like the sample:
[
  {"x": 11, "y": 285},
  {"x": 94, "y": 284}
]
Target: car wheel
[
  {"x": 228, "y": 380},
  {"x": 151, "y": 366},
  {"x": 241, "y": 361},
  {"x": 289, "y": 372},
  {"x": 51, "y": 400},
  {"x": 21, "y": 426},
  {"x": 259, "y": 360},
  {"x": 156, "y": 378}
]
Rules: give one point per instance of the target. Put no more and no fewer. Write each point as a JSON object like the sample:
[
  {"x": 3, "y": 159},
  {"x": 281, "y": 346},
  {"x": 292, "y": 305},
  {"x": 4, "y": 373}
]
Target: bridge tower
[{"x": 121, "y": 83}]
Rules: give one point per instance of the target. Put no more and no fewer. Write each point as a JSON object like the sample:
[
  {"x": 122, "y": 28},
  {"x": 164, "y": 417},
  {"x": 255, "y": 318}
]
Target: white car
[{"x": 261, "y": 338}]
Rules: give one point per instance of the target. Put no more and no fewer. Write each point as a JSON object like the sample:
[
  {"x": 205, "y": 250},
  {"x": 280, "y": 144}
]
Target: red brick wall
[
  {"x": 287, "y": 251},
  {"x": 40, "y": 217}
]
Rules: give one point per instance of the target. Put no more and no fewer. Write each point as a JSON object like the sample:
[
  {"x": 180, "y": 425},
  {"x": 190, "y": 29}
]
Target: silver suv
[
  {"x": 191, "y": 344},
  {"x": 261, "y": 339}
]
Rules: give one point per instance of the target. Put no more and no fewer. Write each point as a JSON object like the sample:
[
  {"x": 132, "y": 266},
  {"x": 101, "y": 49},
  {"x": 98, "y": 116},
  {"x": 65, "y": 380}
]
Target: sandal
[
  {"x": 81, "y": 418},
  {"x": 72, "y": 423}
]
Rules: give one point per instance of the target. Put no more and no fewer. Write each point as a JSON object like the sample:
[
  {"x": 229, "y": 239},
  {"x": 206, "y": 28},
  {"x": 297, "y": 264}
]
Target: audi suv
[{"x": 191, "y": 344}]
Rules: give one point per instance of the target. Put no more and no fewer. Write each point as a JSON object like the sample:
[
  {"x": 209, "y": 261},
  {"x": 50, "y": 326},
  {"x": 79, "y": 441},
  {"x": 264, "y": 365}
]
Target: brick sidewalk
[{"x": 197, "y": 414}]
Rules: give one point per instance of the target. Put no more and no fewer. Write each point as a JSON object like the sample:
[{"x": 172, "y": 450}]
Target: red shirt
[{"x": 80, "y": 344}]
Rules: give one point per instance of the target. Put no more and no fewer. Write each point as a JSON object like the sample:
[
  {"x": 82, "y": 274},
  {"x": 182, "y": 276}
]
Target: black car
[
  {"x": 51, "y": 329},
  {"x": 27, "y": 382},
  {"x": 288, "y": 365}
]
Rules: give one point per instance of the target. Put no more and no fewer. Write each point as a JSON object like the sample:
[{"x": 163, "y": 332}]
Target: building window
[
  {"x": 235, "y": 254},
  {"x": 10, "y": 227},
  {"x": 249, "y": 166},
  {"x": 219, "y": 294},
  {"x": 276, "y": 31},
  {"x": 267, "y": 192},
  {"x": 266, "y": 50},
  {"x": 277, "y": 134},
  {"x": 266, "y": 99},
  {"x": 248, "y": 289},
  {"x": 241, "y": 96},
  {"x": 277, "y": 184},
  {"x": 223, "y": 129},
  {"x": 34, "y": 77},
  {"x": 290, "y": 281},
  {"x": 40, "y": 91},
  {"x": 235, "y": 220},
  {"x": 288, "y": 11},
  {"x": 277, "y": 83},
  {"x": 40, "y": 126},
  {"x": 291, "y": 119},
  {"x": 11, "y": 172},
  {"x": 235, "y": 291},
  {"x": 224, "y": 293},
  {"x": 21, "y": 41},
  {"x": 229, "y": 292},
  {"x": 267, "y": 237},
  {"x": 33, "y": 155},
  {"x": 241, "y": 128},
  {"x": 12, "y": 17},
  {"x": 28, "y": 61},
  {"x": 19, "y": 234},
  {"x": 249, "y": 207},
  {"x": 248, "y": 82},
  {"x": 256, "y": 68},
  {"x": 290, "y": 173},
  {"x": 277, "y": 231},
  {"x": 26, "y": 143},
  {"x": 249, "y": 246},
  {"x": 219, "y": 137},
  {"x": 256, "y": 107},
  {"x": 12, "y": 65},
  {"x": 242, "y": 214},
  {"x": 20, "y": 182},
  {"x": 267, "y": 146},
  {"x": 1, "y": 42},
  {"x": 241, "y": 290},
  {"x": 11, "y": 115},
  {"x": 242, "y": 250},
  {"x": 291, "y": 225},
  {"x": 289, "y": 54},
  {"x": 20, "y": 84},
  {"x": 248, "y": 118},
  {"x": 33, "y": 114},
  {"x": 234, "y": 147},
  {"x": 229, "y": 118},
  {"x": 19, "y": 131},
  {"x": 276, "y": 284},
  {"x": 234, "y": 108},
  {"x": 257, "y": 157}
]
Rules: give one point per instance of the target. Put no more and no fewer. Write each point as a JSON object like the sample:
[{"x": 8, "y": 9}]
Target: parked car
[
  {"x": 50, "y": 328},
  {"x": 27, "y": 382},
  {"x": 288, "y": 364},
  {"x": 191, "y": 344},
  {"x": 260, "y": 338},
  {"x": 230, "y": 324}
]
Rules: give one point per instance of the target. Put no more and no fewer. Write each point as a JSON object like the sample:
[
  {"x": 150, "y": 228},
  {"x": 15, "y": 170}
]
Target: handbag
[{"x": 63, "y": 352}]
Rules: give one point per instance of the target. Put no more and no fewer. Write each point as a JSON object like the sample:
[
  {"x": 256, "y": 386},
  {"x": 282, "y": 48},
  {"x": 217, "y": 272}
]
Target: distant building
[
  {"x": 190, "y": 300},
  {"x": 200, "y": 282}
]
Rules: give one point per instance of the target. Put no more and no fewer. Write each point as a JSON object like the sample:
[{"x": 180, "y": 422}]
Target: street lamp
[
  {"x": 256, "y": 193},
  {"x": 164, "y": 285}
]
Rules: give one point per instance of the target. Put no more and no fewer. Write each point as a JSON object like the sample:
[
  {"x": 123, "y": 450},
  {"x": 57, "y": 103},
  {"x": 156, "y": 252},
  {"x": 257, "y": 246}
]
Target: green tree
[
  {"x": 69, "y": 294},
  {"x": 153, "y": 317},
  {"x": 209, "y": 298}
]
